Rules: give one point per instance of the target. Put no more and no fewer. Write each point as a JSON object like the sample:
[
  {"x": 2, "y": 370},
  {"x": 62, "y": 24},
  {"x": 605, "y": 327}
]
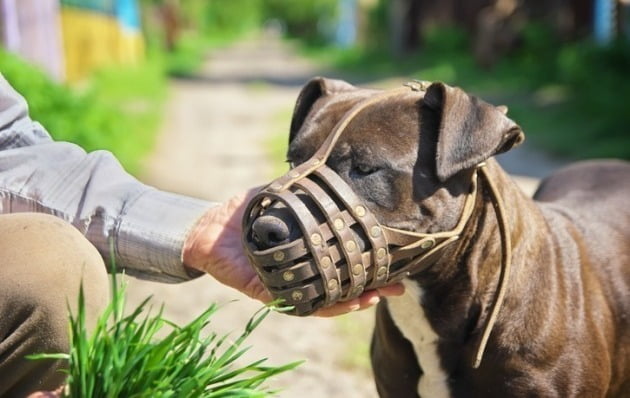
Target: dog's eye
[{"x": 363, "y": 170}]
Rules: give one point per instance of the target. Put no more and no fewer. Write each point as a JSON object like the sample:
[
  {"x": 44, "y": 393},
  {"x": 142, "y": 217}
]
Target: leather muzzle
[{"x": 342, "y": 249}]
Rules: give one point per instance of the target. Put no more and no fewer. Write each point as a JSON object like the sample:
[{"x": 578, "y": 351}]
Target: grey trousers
[{"x": 43, "y": 261}]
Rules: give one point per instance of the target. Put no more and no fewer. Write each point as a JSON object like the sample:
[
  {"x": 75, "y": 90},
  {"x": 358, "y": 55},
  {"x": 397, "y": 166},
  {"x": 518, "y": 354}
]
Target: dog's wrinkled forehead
[
  {"x": 459, "y": 129},
  {"x": 381, "y": 130},
  {"x": 320, "y": 121}
]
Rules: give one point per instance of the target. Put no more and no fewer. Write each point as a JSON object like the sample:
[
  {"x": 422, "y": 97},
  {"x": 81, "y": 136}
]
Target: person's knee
[{"x": 45, "y": 261}]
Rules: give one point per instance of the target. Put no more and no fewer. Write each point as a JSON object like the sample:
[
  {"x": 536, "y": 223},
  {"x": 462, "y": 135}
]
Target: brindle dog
[{"x": 564, "y": 327}]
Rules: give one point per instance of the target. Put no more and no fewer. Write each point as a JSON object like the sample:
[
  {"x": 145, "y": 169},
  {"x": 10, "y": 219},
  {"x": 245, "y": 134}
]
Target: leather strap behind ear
[
  {"x": 311, "y": 92},
  {"x": 470, "y": 130}
]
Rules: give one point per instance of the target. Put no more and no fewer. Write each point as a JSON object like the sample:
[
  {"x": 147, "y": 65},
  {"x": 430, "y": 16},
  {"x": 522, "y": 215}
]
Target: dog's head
[{"x": 408, "y": 158}]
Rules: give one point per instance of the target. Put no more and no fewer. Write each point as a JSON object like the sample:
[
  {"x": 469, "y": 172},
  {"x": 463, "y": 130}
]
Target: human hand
[
  {"x": 214, "y": 246},
  {"x": 364, "y": 301}
]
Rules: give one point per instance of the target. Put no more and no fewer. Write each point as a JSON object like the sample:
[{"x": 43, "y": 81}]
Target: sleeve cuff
[{"x": 151, "y": 233}]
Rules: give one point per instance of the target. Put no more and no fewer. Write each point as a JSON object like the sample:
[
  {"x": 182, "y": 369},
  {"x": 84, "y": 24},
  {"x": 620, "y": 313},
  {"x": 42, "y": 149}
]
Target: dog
[{"x": 563, "y": 328}]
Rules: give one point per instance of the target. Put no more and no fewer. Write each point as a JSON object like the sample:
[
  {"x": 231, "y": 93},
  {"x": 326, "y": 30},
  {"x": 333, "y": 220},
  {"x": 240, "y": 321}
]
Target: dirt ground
[{"x": 212, "y": 145}]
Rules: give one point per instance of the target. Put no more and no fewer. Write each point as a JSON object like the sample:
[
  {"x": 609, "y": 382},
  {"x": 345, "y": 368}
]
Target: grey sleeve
[{"x": 142, "y": 227}]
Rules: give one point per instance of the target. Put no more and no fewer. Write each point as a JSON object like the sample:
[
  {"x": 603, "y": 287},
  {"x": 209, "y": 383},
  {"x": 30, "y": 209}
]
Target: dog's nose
[{"x": 270, "y": 231}]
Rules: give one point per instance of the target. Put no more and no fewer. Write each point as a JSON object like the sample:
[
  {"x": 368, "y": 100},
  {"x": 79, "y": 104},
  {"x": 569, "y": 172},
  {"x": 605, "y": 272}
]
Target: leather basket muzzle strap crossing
[{"x": 326, "y": 263}]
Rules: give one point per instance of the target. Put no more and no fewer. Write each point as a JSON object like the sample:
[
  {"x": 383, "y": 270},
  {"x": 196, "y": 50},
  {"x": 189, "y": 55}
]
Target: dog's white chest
[{"x": 409, "y": 317}]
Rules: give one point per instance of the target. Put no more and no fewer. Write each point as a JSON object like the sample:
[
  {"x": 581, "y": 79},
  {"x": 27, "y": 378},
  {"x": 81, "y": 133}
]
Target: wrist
[{"x": 191, "y": 257}]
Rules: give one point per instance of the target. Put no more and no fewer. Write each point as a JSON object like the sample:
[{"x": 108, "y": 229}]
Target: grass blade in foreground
[{"x": 123, "y": 357}]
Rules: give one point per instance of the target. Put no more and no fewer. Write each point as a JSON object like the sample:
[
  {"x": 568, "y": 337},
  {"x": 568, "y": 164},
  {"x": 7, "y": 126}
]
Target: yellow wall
[{"x": 92, "y": 40}]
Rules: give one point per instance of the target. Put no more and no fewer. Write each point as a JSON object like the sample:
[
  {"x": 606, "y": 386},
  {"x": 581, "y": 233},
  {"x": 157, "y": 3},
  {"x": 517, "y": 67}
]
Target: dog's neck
[{"x": 458, "y": 290}]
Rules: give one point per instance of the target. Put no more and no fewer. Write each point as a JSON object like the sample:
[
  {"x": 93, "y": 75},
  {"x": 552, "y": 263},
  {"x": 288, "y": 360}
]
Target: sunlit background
[
  {"x": 195, "y": 96},
  {"x": 561, "y": 65}
]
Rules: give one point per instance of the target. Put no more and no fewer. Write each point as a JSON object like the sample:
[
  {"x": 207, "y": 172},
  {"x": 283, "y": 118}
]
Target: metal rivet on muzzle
[
  {"x": 316, "y": 239},
  {"x": 288, "y": 276},
  {"x": 278, "y": 256},
  {"x": 381, "y": 272},
  {"x": 357, "y": 269},
  {"x": 427, "y": 244},
  {"x": 339, "y": 224},
  {"x": 297, "y": 295},
  {"x": 294, "y": 174},
  {"x": 360, "y": 210},
  {"x": 350, "y": 245},
  {"x": 380, "y": 253},
  {"x": 332, "y": 284},
  {"x": 375, "y": 231},
  {"x": 326, "y": 262},
  {"x": 276, "y": 186}
]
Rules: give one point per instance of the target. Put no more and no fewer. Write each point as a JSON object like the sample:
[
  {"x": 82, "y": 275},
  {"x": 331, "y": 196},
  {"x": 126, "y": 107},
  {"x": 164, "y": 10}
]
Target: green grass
[{"x": 122, "y": 356}]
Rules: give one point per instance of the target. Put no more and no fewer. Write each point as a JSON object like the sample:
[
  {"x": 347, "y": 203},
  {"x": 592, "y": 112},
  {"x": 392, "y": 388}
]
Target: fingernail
[
  {"x": 374, "y": 300},
  {"x": 355, "y": 307}
]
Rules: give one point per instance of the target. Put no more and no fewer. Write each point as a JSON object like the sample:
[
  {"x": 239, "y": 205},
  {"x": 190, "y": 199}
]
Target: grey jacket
[{"x": 142, "y": 227}]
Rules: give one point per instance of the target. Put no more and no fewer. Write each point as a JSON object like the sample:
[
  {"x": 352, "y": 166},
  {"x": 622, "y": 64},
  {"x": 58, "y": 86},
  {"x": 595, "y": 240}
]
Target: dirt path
[{"x": 212, "y": 146}]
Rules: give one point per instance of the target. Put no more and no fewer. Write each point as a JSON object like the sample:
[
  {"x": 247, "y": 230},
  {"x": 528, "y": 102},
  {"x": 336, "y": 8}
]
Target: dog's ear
[
  {"x": 311, "y": 92},
  {"x": 469, "y": 129}
]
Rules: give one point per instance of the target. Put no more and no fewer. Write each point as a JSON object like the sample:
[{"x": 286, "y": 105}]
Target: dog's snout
[{"x": 270, "y": 231}]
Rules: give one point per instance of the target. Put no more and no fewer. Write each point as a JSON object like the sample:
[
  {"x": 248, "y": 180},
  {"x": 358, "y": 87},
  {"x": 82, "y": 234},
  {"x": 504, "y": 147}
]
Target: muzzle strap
[
  {"x": 343, "y": 249},
  {"x": 314, "y": 238},
  {"x": 340, "y": 228},
  {"x": 369, "y": 225},
  {"x": 418, "y": 250}
]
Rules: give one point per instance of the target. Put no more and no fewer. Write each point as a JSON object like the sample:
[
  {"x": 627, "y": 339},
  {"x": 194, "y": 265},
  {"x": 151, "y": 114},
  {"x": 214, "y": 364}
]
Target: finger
[
  {"x": 397, "y": 289},
  {"x": 366, "y": 300},
  {"x": 45, "y": 394},
  {"x": 339, "y": 309},
  {"x": 265, "y": 297},
  {"x": 256, "y": 290}
]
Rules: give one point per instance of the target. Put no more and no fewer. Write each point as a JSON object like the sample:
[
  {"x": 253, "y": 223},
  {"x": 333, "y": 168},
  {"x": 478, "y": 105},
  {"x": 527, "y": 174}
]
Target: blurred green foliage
[
  {"x": 118, "y": 110},
  {"x": 574, "y": 96},
  {"x": 204, "y": 25},
  {"x": 568, "y": 97},
  {"x": 229, "y": 18},
  {"x": 310, "y": 20},
  {"x": 187, "y": 57}
]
